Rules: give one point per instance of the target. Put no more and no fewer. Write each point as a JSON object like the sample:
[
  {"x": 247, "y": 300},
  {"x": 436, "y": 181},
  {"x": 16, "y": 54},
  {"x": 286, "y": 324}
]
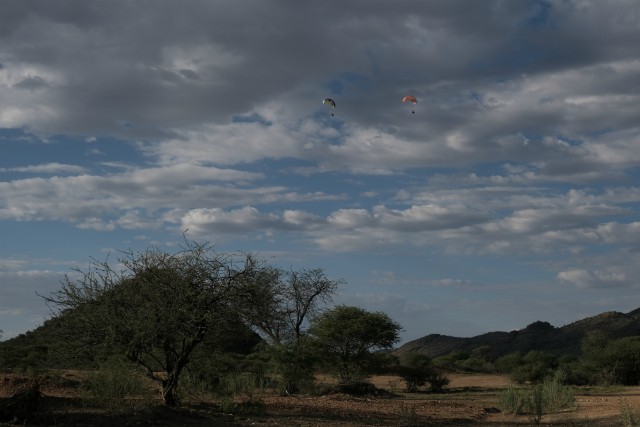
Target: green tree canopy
[
  {"x": 613, "y": 361},
  {"x": 348, "y": 337},
  {"x": 159, "y": 307},
  {"x": 277, "y": 304}
]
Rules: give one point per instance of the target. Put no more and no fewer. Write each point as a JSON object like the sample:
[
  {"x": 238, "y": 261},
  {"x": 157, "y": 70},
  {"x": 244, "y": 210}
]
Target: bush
[
  {"x": 292, "y": 365},
  {"x": 407, "y": 415},
  {"x": 417, "y": 372},
  {"x": 437, "y": 381},
  {"x": 413, "y": 378},
  {"x": 613, "y": 361},
  {"x": 509, "y": 362},
  {"x": 557, "y": 396},
  {"x": 511, "y": 400},
  {"x": 475, "y": 364},
  {"x": 628, "y": 415},
  {"x": 574, "y": 373},
  {"x": 449, "y": 361},
  {"x": 358, "y": 388},
  {"x": 23, "y": 407},
  {"x": 205, "y": 373},
  {"x": 248, "y": 387},
  {"x": 114, "y": 384},
  {"x": 534, "y": 367},
  {"x": 550, "y": 396}
]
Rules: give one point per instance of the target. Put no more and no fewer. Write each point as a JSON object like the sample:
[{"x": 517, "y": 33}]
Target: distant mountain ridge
[{"x": 538, "y": 335}]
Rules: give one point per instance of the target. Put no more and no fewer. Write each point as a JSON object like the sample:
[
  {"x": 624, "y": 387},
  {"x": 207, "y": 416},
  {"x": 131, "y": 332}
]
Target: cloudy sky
[{"x": 511, "y": 195}]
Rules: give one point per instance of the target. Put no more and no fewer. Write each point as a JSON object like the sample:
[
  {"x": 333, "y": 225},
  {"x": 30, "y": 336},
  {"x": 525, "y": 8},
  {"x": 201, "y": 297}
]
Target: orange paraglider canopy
[{"x": 410, "y": 98}]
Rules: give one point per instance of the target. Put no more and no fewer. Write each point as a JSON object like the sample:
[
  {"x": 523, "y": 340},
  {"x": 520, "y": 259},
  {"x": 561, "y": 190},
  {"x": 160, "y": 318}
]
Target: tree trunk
[
  {"x": 168, "y": 396},
  {"x": 168, "y": 391},
  {"x": 171, "y": 383}
]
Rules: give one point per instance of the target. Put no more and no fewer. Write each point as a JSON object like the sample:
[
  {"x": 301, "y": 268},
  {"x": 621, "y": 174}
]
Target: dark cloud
[{"x": 160, "y": 64}]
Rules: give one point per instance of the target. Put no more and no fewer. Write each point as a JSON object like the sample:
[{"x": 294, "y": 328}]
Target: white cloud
[
  {"x": 90, "y": 199},
  {"x": 202, "y": 221},
  {"x": 583, "y": 278},
  {"x": 47, "y": 168}
]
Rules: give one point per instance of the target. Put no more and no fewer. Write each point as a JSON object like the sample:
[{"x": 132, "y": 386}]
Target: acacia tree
[
  {"x": 349, "y": 336},
  {"x": 278, "y": 304},
  {"x": 159, "y": 307}
]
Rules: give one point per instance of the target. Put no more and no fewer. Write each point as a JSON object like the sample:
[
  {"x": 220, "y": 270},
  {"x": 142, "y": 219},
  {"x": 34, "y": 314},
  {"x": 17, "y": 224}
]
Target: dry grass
[{"x": 470, "y": 400}]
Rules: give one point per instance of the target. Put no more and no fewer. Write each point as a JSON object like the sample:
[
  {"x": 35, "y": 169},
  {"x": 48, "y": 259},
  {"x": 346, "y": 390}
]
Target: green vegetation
[
  {"x": 613, "y": 361},
  {"x": 278, "y": 304},
  {"x": 158, "y": 309},
  {"x": 418, "y": 372},
  {"x": 204, "y": 317},
  {"x": 628, "y": 415},
  {"x": 117, "y": 386},
  {"x": 602, "y": 361},
  {"x": 201, "y": 323},
  {"x": 534, "y": 401},
  {"x": 348, "y": 337}
]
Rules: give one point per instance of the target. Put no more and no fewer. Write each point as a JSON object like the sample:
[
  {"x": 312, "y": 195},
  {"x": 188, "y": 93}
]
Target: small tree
[
  {"x": 277, "y": 304},
  {"x": 348, "y": 336},
  {"x": 417, "y": 371},
  {"x": 159, "y": 308},
  {"x": 414, "y": 369},
  {"x": 535, "y": 367}
]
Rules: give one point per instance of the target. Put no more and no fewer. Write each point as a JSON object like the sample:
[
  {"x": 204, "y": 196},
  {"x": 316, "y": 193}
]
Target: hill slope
[
  {"x": 58, "y": 344},
  {"x": 537, "y": 336}
]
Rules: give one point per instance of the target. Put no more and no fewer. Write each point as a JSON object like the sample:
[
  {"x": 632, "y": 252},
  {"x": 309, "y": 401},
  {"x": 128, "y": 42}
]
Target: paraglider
[
  {"x": 330, "y": 102},
  {"x": 412, "y": 99}
]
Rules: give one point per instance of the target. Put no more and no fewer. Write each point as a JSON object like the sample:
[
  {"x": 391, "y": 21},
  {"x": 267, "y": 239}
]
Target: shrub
[
  {"x": 407, "y": 415},
  {"x": 475, "y": 364},
  {"x": 511, "y": 400},
  {"x": 509, "y": 362},
  {"x": 550, "y": 396},
  {"x": 292, "y": 365},
  {"x": 437, "y": 381},
  {"x": 574, "y": 373},
  {"x": 628, "y": 416},
  {"x": 613, "y": 361},
  {"x": 449, "y": 361},
  {"x": 416, "y": 371},
  {"x": 358, "y": 388},
  {"x": 248, "y": 387},
  {"x": 557, "y": 396},
  {"x": 413, "y": 378},
  {"x": 114, "y": 384},
  {"x": 534, "y": 367}
]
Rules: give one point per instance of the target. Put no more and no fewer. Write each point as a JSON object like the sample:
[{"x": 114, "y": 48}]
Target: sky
[{"x": 511, "y": 195}]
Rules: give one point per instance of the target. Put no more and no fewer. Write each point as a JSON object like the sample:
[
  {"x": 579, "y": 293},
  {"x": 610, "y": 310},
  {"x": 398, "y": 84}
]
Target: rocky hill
[{"x": 537, "y": 336}]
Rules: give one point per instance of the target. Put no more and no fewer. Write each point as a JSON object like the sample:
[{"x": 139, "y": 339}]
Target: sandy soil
[{"x": 470, "y": 400}]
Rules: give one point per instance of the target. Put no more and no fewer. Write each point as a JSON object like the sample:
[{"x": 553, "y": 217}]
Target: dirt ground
[{"x": 469, "y": 400}]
